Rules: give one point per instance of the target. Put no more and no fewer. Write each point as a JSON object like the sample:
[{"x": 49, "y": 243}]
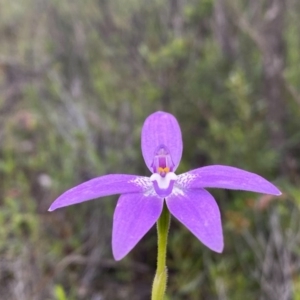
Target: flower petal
[
  {"x": 161, "y": 129},
  {"x": 134, "y": 215},
  {"x": 102, "y": 186},
  {"x": 226, "y": 177},
  {"x": 199, "y": 212}
]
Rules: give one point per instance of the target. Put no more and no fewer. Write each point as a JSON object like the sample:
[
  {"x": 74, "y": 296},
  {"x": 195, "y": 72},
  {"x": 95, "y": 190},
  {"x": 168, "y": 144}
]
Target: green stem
[{"x": 161, "y": 275}]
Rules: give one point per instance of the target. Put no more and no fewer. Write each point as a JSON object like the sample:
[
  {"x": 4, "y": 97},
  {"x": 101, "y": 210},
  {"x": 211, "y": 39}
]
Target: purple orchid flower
[{"x": 142, "y": 198}]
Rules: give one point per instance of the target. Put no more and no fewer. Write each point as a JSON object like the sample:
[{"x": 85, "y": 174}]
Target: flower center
[
  {"x": 162, "y": 162},
  {"x": 163, "y": 186},
  {"x": 163, "y": 178}
]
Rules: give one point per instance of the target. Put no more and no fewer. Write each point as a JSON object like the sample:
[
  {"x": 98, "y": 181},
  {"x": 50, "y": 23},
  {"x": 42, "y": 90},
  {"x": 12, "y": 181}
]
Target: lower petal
[
  {"x": 199, "y": 212},
  {"x": 134, "y": 215}
]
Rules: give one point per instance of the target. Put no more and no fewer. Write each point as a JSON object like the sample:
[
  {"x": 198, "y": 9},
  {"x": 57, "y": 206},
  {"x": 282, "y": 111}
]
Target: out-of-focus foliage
[{"x": 77, "y": 80}]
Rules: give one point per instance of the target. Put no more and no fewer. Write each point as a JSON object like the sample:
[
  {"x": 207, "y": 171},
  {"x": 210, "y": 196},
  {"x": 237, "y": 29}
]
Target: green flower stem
[{"x": 160, "y": 279}]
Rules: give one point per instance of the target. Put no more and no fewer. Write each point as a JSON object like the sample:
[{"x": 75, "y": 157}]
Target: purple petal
[
  {"x": 228, "y": 178},
  {"x": 102, "y": 186},
  {"x": 161, "y": 129},
  {"x": 199, "y": 212},
  {"x": 134, "y": 215}
]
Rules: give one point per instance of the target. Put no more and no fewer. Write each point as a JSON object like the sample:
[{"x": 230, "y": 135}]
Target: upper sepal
[{"x": 161, "y": 131}]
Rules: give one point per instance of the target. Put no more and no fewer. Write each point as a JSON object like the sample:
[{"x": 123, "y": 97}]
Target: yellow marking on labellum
[{"x": 164, "y": 170}]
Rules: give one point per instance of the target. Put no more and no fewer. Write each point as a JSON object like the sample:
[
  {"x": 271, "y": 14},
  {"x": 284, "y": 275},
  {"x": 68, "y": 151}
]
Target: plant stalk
[{"x": 161, "y": 275}]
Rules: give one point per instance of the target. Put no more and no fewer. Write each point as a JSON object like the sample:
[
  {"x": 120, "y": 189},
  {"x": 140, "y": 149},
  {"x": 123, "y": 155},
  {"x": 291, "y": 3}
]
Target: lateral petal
[
  {"x": 134, "y": 215},
  {"x": 161, "y": 129},
  {"x": 199, "y": 212},
  {"x": 218, "y": 176},
  {"x": 102, "y": 186}
]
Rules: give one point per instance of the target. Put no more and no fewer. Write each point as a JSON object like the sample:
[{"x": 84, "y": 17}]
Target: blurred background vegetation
[{"x": 77, "y": 80}]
